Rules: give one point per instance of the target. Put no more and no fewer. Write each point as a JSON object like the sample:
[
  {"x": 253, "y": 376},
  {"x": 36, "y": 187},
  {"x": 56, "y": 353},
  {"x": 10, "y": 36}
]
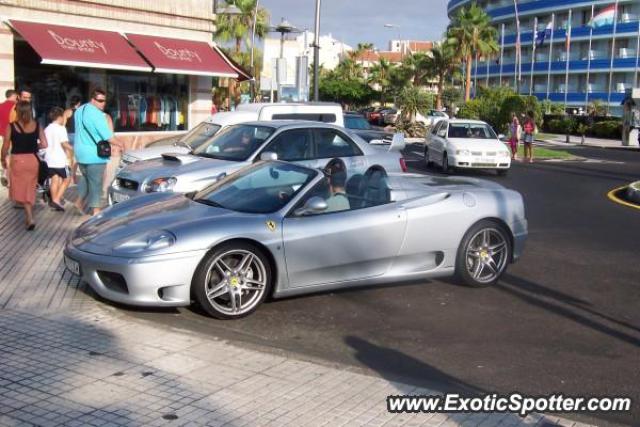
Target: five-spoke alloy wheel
[
  {"x": 483, "y": 254},
  {"x": 232, "y": 280}
]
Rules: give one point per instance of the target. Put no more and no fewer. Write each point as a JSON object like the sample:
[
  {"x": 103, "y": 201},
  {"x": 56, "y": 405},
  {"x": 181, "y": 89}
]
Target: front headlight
[
  {"x": 150, "y": 241},
  {"x": 159, "y": 185},
  {"x": 463, "y": 152},
  {"x": 504, "y": 153}
]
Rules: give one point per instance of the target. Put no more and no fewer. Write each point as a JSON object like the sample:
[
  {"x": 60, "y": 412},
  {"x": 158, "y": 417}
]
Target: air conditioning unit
[{"x": 621, "y": 87}]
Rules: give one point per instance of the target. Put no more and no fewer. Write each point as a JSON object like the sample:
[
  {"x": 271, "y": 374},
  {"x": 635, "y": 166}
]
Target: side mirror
[
  {"x": 502, "y": 137},
  {"x": 314, "y": 205},
  {"x": 442, "y": 133},
  {"x": 268, "y": 155}
]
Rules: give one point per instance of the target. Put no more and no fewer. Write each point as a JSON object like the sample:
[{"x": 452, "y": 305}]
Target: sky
[{"x": 362, "y": 21}]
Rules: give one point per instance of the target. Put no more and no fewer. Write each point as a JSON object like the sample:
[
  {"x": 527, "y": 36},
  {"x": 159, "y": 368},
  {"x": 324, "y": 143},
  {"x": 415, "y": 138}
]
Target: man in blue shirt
[{"x": 91, "y": 127}]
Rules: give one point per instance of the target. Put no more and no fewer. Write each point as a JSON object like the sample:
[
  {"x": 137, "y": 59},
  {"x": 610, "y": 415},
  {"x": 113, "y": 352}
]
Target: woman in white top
[{"x": 57, "y": 157}]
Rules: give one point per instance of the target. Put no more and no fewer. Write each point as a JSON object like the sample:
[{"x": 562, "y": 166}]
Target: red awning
[
  {"x": 243, "y": 75},
  {"x": 57, "y": 44},
  {"x": 182, "y": 56}
]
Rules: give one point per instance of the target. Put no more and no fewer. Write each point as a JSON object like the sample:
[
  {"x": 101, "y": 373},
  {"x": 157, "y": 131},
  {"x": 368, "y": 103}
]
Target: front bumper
[
  {"x": 473, "y": 162},
  {"x": 520, "y": 233},
  {"x": 155, "y": 281}
]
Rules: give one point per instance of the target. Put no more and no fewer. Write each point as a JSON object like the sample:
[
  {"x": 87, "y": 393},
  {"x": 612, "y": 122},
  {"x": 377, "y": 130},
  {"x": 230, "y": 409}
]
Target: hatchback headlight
[
  {"x": 159, "y": 185},
  {"x": 463, "y": 152},
  {"x": 149, "y": 241}
]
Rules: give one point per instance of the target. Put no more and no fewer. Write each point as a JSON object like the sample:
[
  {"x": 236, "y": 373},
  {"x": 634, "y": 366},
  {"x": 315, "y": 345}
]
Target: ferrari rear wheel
[
  {"x": 483, "y": 254},
  {"x": 232, "y": 281}
]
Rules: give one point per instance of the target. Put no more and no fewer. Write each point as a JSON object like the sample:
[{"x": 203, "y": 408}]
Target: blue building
[{"x": 599, "y": 61}]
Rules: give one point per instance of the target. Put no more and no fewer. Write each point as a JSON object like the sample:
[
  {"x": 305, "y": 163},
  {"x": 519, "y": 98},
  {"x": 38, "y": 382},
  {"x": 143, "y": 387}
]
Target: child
[{"x": 56, "y": 157}]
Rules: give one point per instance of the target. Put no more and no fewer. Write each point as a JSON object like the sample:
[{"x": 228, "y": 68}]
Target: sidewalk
[
  {"x": 68, "y": 359},
  {"x": 560, "y": 140}
]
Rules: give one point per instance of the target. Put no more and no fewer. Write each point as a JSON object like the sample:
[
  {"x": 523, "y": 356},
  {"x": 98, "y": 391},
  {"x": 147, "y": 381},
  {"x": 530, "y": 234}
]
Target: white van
[{"x": 183, "y": 144}]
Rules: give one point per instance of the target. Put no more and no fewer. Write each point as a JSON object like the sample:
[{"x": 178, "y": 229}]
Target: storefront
[{"x": 158, "y": 83}]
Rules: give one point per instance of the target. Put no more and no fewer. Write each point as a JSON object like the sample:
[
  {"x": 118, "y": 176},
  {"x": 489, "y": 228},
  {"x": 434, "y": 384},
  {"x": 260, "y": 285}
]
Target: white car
[
  {"x": 432, "y": 117},
  {"x": 466, "y": 144},
  {"x": 184, "y": 144}
]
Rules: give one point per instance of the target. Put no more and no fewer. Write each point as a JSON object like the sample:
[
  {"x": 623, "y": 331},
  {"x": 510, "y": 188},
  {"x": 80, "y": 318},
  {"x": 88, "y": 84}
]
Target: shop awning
[
  {"x": 61, "y": 45},
  {"x": 179, "y": 56},
  {"x": 243, "y": 75}
]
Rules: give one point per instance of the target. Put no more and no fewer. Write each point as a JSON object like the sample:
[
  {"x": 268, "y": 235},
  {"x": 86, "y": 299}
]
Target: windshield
[
  {"x": 356, "y": 122},
  {"x": 200, "y": 134},
  {"x": 194, "y": 138},
  {"x": 471, "y": 131},
  {"x": 265, "y": 187},
  {"x": 235, "y": 143}
]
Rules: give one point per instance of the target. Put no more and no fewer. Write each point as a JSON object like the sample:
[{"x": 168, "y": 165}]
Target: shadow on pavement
[
  {"x": 566, "y": 306},
  {"x": 393, "y": 365}
]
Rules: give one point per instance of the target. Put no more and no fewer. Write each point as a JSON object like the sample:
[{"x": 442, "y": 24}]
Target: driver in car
[
  {"x": 337, "y": 200},
  {"x": 244, "y": 145}
]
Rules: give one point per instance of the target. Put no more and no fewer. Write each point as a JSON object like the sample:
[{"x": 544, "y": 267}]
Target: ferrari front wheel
[
  {"x": 483, "y": 254},
  {"x": 232, "y": 281}
]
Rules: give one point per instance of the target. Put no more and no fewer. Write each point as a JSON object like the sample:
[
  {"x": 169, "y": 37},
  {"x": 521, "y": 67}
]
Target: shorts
[
  {"x": 61, "y": 172},
  {"x": 528, "y": 139}
]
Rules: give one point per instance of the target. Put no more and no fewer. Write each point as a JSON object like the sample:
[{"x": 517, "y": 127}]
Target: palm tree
[
  {"x": 417, "y": 68},
  {"x": 237, "y": 29},
  {"x": 443, "y": 62},
  {"x": 471, "y": 33},
  {"x": 379, "y": 75}
]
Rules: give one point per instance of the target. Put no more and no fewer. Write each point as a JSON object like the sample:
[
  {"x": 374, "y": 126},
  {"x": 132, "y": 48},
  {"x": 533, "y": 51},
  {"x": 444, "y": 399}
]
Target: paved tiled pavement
[{"x": 68, "y": 359}]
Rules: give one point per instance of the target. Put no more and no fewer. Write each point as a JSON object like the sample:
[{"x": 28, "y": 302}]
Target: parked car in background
[
  {"x": 375, "y": 116},
  {"x": 389, "y": 116},
  {"x": 357, "y": 124},
  {"x": 270, "y": 230},
  {"x": 433, "y": 117},
  {"x": 321, "y": 112},
  {"x": 466, "y": 144},
  {"x": 309, "y": 143}
]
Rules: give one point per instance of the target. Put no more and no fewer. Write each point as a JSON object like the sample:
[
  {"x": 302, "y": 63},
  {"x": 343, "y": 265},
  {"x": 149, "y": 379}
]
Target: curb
[
  {"x": 572, "y": 145},
  {"x": 613, "y": 196}
]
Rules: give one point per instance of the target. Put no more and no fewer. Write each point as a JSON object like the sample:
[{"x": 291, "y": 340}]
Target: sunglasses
[{"x": 100, "y": 100}]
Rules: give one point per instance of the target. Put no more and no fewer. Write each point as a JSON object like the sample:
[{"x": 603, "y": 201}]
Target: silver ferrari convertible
[{"x": 278, "y": 229}]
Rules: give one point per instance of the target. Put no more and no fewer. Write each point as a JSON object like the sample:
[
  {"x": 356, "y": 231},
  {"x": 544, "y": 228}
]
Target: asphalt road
[{"x": 565, "y": 319}]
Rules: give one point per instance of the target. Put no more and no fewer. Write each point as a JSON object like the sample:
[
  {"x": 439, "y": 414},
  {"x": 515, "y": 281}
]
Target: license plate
[
  {"x": 118, "y": 197},
  {"x": 72, "y": 266}
]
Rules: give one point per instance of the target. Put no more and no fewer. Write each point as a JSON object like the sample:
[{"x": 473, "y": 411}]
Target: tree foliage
[{"x": 471, "y": 35}]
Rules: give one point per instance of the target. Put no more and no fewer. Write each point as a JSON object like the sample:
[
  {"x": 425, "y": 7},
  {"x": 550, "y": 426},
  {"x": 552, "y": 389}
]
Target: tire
[
  {"x": 445, "y": 164},
  {"x": 502, "y": 172},
  {"x": 220, "y": 280},
  {"x": 427, "y": 160},
  {"x": 476, "y": 255}
]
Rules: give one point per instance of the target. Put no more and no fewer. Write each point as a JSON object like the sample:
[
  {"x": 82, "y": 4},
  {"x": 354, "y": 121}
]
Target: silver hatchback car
[{"x": 309, "y": 144}]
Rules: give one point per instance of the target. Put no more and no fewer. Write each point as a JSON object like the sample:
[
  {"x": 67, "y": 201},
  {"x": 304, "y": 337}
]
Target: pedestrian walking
[
  {"x": 515, "y": 131},
  {"x": 57, "y": 157},
  {"x": 92, "y": 150},
  {"x": 7, "y": 115},
  {"x": 23, "y": 139},
  {"x": 529, "y": 129}
]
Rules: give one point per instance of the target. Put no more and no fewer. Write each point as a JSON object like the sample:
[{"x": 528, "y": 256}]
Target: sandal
[{"x": 31, "y": 227}]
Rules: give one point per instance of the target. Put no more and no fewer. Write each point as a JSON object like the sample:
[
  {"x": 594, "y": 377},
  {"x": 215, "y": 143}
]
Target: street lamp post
[
  {"x": 284, "y": 27},
  {"x": 316, "y": 55},
  {"x": 227, "y": 10},
  {"x": 253, "y": 43}
]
